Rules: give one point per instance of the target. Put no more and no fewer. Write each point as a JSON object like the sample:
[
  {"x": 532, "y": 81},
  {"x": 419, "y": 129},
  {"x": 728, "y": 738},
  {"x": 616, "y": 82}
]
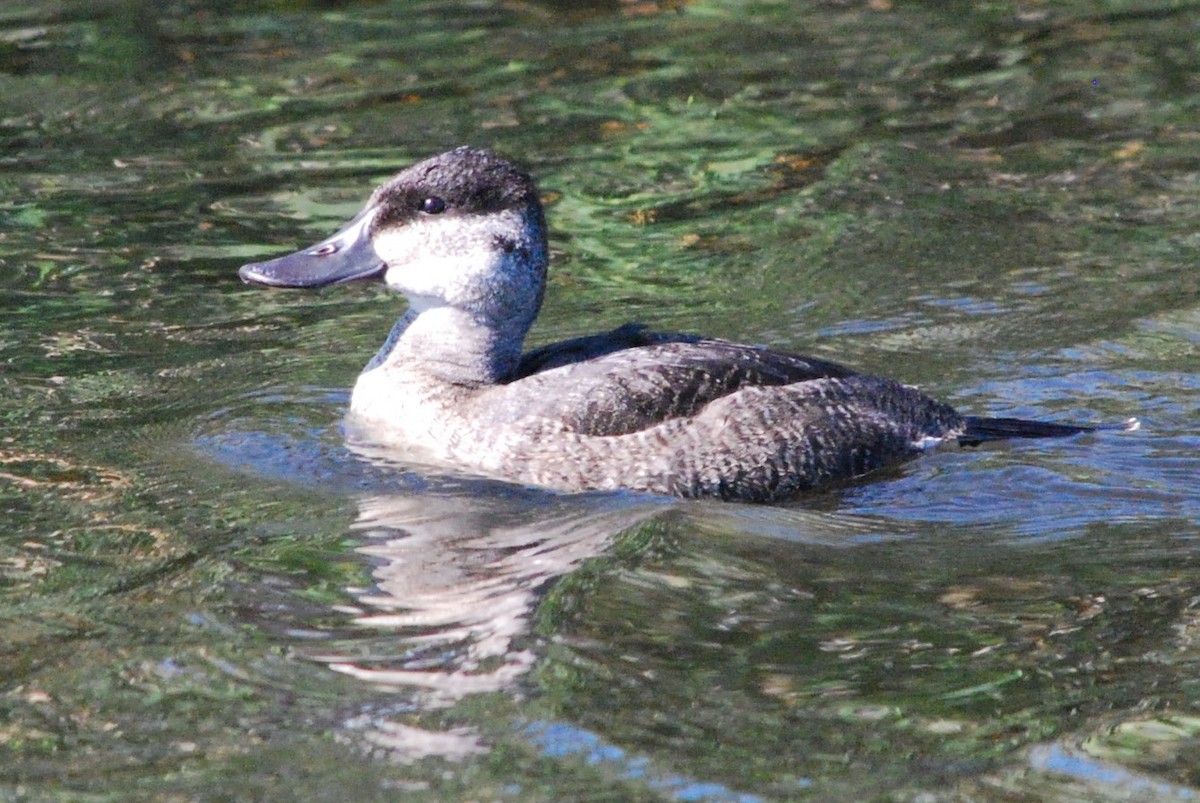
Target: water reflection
[
  {"x": 457, "y": 578},
  {"x": 447, "y": 577}
]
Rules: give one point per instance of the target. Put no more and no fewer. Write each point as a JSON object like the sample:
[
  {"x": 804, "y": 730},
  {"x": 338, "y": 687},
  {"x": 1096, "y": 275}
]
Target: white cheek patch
[
  {"x": 407, "y": 252},
  {"x": 445, "y": 259}
]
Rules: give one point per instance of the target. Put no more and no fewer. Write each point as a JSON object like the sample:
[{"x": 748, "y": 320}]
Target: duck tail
[{"x": 980, "y": 429}]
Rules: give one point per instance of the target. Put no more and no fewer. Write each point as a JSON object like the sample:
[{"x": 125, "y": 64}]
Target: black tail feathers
[{"x": 980, "y": 429}]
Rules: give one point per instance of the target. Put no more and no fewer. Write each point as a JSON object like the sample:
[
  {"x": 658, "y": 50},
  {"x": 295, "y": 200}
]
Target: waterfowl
[{"x": 462, "y": 235}]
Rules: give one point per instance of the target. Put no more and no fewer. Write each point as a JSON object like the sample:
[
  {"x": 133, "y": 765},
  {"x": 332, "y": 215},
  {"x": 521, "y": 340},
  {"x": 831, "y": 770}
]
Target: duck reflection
[
  {"x": 456, "y": 568},
  {"x": 457, "y": 578}
]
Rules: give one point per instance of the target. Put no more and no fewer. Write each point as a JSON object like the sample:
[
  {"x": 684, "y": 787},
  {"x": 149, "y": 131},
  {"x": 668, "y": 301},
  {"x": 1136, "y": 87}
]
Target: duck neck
[{"x": 451, "y": 345}]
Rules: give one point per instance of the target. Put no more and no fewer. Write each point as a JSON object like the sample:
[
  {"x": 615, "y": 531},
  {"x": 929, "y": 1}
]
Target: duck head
[{"x": 462, "y": 231}]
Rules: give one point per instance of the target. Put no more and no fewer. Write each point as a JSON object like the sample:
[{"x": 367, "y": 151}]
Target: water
[{"x": 207, "y": 595}]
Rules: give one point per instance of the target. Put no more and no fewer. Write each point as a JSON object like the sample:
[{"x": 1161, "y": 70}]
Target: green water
[{"x": 204, "y": 595}]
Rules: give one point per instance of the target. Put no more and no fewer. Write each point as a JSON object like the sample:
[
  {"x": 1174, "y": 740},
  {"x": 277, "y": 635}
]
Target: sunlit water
[{"x": 207, "y": 593}]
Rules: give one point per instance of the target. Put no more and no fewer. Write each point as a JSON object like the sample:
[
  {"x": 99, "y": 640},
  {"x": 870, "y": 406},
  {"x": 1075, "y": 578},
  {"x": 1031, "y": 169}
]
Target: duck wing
[
  {"x": 629, "y": 380},
  {"x": 589, "y": 347}
]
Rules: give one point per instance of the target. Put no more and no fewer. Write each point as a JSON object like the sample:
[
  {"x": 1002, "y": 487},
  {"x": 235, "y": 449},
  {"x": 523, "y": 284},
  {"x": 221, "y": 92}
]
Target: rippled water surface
[{"x": 205, "y": 594}]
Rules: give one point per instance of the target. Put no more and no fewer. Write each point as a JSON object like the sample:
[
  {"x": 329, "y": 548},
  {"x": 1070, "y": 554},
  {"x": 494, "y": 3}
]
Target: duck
[{"x": 463, "y": 236}]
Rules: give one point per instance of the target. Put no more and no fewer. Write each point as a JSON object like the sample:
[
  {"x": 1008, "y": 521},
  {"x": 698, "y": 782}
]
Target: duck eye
[{"x": 432, "y": 205}]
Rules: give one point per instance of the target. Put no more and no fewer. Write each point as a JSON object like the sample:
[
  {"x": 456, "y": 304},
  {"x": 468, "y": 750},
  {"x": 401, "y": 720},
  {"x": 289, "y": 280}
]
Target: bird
[{"x": 463, "y": 236}]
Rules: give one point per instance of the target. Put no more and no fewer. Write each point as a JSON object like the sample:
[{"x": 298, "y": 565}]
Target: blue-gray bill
[{"x": 343, "y": 257}]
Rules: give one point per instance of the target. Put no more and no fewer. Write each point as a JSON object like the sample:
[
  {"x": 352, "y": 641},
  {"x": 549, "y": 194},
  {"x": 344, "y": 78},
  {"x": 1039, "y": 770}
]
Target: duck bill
[{"x": 344, "y": 257}]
